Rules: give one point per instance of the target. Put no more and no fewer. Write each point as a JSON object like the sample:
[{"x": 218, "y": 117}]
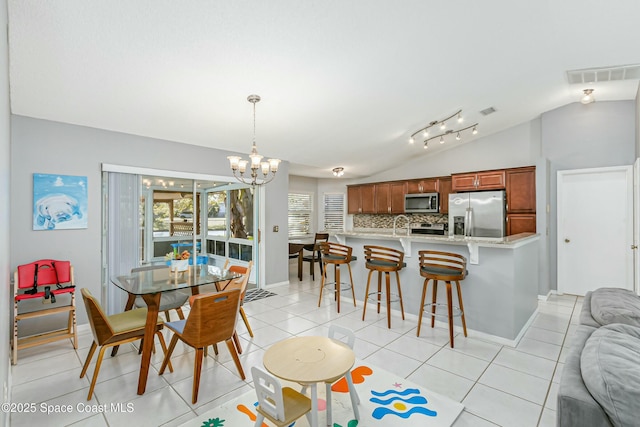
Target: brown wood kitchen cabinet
[
  {"x": 444, "y": 189},
  {"x": 474, "y": 181},
  {"x": 360, "y": 199},
  {"x": 521, "y": 190},
  {"x": 390, "y": 197},
  {"x": 521, "y": 200},
  {"x": 426, "y": 185},
  {"x": 521, "y": 223}
]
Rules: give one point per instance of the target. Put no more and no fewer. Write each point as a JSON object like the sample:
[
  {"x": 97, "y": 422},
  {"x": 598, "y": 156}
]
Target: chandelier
[
  {"x": 443, "y": 133},
  {"x": 239, "y": 165}
]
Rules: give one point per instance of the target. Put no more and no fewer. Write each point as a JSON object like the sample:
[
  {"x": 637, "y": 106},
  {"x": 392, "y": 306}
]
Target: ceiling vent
[
  {"x": 488, "y": 111},
  {"x": 605, "y": 74}
]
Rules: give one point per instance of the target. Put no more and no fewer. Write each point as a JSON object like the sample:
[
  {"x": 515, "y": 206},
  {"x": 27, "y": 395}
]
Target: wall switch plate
[{"x": 276, "y": 228}]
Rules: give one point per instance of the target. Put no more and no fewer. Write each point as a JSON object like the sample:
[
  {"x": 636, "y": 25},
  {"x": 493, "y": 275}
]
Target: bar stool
[
  {"x": 448, "y": 267},
  {"x": 383, "y": 260},
  {"x": 336, "y": 254}
]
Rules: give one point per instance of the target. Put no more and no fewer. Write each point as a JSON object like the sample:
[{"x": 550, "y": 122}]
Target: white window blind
[
  {"x": 334, "y": 212},
  {"x": 300, "y": 212}
]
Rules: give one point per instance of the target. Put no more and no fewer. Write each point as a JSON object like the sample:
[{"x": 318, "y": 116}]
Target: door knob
[
  {"x": 567, "y": 240},
  {"x": 634, "y": 246}
]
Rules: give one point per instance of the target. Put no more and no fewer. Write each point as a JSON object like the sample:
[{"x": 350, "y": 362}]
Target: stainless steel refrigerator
[{"x": 477, "y": 214}]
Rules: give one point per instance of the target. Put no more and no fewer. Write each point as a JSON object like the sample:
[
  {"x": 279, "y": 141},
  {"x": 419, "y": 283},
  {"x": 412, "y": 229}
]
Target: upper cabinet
[
  {"x": 427, "y": 185},
  {"x": 361, "y": 199},
  {"x": 473, "y": 181},
  {"x": 521, "y": 190},
  {"x": 444, "y": 189},
  {"x": 389, "y": 197}
]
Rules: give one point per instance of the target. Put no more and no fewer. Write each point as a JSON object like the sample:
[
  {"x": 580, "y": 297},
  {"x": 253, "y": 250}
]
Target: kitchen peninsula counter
[{"x": 500, "y": 292}]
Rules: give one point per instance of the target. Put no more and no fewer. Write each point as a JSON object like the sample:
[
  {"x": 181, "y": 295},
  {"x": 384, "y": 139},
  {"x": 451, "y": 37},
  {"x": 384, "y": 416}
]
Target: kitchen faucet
[{"x": 395, "y": 223}]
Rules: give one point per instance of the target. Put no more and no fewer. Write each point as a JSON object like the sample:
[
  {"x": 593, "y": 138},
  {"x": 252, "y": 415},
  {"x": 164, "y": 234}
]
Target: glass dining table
[{"x": 149, "y": 285}]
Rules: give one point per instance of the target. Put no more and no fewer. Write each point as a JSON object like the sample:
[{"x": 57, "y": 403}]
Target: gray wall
[
  {"x": 580, "y": 136},
  {"x": 40, "y": 146},
  {"x": 5, "y": 217}
]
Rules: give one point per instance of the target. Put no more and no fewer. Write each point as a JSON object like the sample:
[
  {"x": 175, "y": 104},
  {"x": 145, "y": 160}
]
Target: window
[
  {"x": 334, "y": 212},
  {"x": 300, "y": 211}
]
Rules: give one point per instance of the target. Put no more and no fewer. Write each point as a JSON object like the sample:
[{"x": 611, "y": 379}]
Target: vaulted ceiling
[{"x": 343, "y": 82}]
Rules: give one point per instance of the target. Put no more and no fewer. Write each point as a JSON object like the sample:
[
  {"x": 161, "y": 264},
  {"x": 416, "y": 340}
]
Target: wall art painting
[{"x": 59, "y": 202}]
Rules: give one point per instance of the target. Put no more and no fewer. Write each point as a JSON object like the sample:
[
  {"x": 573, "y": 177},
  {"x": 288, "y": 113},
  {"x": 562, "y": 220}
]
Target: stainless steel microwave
[{"x": 421, "y": 203}]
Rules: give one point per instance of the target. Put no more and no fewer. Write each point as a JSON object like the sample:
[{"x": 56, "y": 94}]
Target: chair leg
[
  {"x": 72, "y": 320},
  {"x": 92, "y": 350},
  {"x": 14, "y": 353},
  {"x": 464, "y": 323},
  {"x": 353, "y": 291},
  {"x": 353, "y": 394},
  {"x": 450, "y": 311},
  {"x": 259, "y": 420},
  {"x": 323, "y": 279},
  {"x": 236, "y": 342},
  {"x": 95, "y": 372},
  {"x": 387, "y": 282},
  {"x": 433, "y": 302},
  {"x": 379, "y": 289},
  {"x": 424, "y": 294},
  {"x": 165, "y": 362},
  {"x": 180, "y": 313},
  {"x": 236, "y": 359},
  {"x": 164, "y": 349},
  {"x": 366, "y": 294},
  {"x": 197, "y": 370},
  {"x": 400, "y": 294},
  {"x": 336, "y": 275},
  {"x": 246, "y": 321}
]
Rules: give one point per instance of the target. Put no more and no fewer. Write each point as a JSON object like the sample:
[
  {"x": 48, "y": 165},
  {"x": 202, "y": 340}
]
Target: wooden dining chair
[
  {"x": 116, "y": 329},
  {"x": 212, "y": 319},
  {"x": 241, "y": 284},
  {"x": 315, "y": 255},
  {"x": 169, "y": 300},
  {"x": 280, "y": 405}
]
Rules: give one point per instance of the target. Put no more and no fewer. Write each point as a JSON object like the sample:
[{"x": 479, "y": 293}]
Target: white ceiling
[{"x": 343, "y": 82}]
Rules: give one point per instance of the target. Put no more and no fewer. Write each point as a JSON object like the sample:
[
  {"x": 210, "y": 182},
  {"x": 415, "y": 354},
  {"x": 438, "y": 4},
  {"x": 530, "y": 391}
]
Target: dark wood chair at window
[{"x": 315, "y": 255}]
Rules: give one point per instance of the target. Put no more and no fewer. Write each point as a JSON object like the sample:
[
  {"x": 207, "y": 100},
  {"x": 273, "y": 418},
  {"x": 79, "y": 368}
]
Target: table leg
[
  {"x": 314, "y": 405},
  {"x": 153, "y": 303}
]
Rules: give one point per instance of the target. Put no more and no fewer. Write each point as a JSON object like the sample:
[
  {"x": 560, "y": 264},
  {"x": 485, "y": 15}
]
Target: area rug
[
  {"x": 385, "y": 400},
  {"x": 256, "y": 294}
]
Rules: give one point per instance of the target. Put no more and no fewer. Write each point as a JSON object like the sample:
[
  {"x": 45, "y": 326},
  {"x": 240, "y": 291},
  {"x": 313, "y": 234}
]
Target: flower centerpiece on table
[{"x": 178, "y": 261}]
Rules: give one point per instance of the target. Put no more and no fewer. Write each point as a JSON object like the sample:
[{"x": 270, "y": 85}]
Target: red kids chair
[{"x": 43, "y": 280}]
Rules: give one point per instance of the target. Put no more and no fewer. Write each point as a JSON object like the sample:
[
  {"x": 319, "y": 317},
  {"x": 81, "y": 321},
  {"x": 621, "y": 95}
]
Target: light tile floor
[{"x": 499, "y": 385}]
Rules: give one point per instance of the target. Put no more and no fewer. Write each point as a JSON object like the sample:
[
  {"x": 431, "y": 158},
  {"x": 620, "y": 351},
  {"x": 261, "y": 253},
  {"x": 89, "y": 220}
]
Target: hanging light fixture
[
  {"x": 239, "y": 165},
  {"x": 338, "y": 172},
  {"x": 443, "y": 135},
  {"x": 587, "y": 98}
]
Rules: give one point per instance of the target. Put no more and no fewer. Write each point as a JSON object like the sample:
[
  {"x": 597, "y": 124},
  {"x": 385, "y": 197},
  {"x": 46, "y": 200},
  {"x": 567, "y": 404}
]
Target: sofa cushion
[
  {"x": 615, "y": 305},
  {"x": 609, "y": 366}
]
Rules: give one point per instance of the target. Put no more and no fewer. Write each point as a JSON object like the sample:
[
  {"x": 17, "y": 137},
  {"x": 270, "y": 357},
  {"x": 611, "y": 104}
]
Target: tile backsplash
[{"x": 386, "y": 221}]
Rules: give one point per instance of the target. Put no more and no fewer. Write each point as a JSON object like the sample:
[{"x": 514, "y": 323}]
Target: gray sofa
[{"x": 600, "y": 383}]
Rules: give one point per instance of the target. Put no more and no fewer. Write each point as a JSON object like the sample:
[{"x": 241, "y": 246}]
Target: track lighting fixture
[{"x": 442, "y": 136}]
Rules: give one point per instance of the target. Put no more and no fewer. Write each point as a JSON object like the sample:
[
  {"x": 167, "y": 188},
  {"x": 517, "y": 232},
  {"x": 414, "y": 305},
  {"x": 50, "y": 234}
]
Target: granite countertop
[{"x": 387, "y": 234}]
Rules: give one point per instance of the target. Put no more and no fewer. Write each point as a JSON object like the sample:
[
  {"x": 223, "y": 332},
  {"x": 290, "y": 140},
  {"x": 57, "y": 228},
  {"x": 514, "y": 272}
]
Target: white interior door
[
  {"x": 636, "y": 225},
  {"x": 595, "y": 229}
]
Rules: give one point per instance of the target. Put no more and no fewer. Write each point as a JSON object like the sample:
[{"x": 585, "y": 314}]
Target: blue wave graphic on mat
[
  {"x": 415, "y": 400},
  {"x": 378, "y": 413},
  {"x": 400, "y": 403},
  {"x": 401, "y": 393}
]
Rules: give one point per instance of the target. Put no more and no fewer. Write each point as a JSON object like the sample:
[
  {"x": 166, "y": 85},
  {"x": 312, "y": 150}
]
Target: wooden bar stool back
[
  {"x": 447, "y": 267},
  {"x": 385, "y": 261},
  {"x": 336, "y": 254}
]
